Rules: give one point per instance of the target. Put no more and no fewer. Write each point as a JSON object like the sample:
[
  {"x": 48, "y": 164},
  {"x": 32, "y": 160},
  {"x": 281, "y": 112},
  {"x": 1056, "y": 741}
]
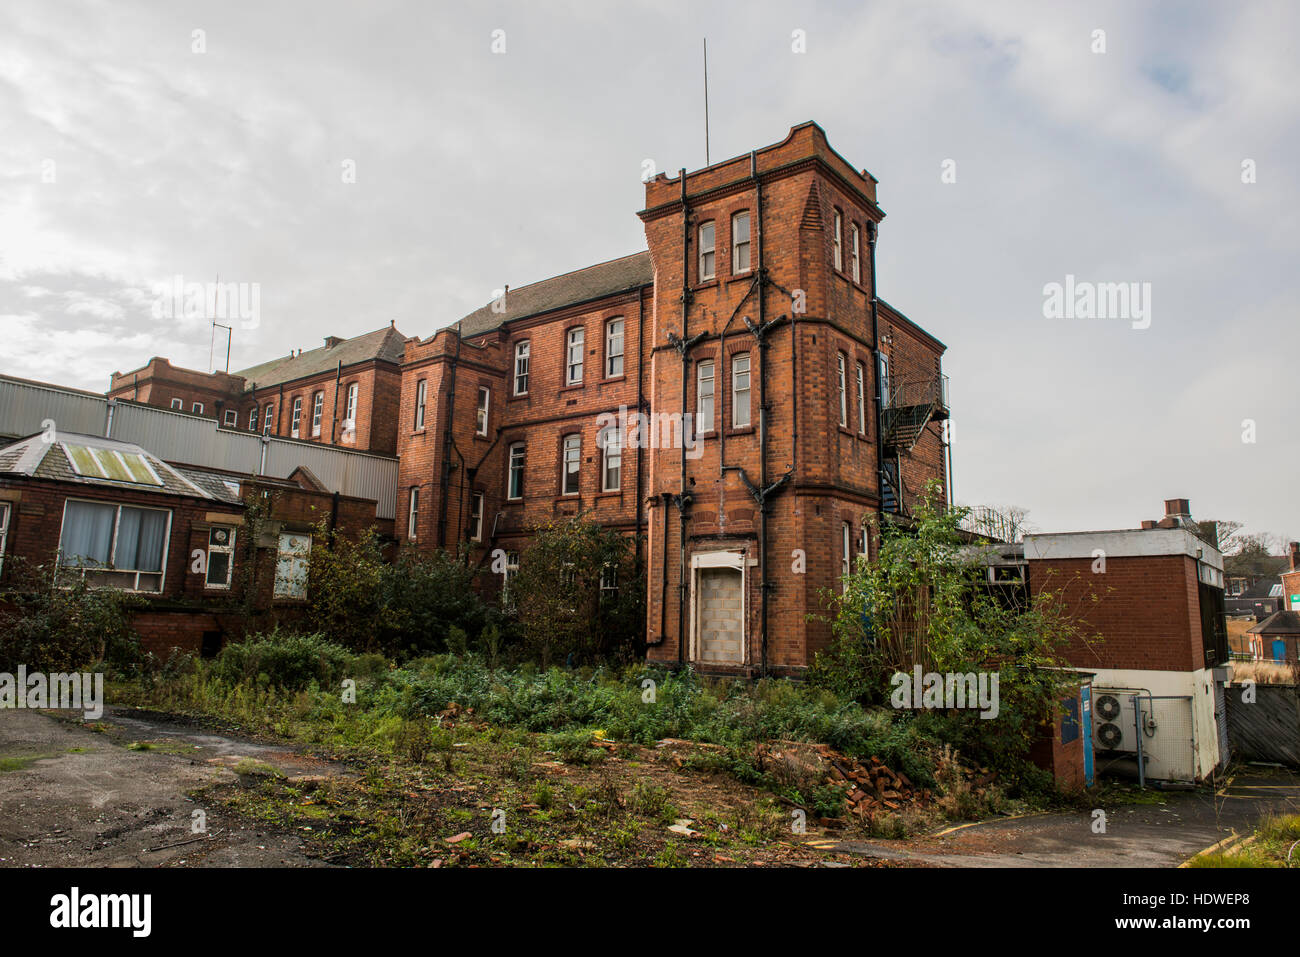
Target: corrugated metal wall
[
  {"x": 24, "y": 406},
  {"x": 190, "y": 440}
]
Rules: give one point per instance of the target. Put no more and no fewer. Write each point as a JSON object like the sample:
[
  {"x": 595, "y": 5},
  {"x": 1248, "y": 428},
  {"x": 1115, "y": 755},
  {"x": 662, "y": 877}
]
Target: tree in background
[
  {"x": 926, "y": 600},
  {"x": 578, "y": 595}
]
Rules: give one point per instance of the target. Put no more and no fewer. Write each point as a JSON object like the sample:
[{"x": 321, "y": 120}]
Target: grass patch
[{"x": 19, "y": 762}]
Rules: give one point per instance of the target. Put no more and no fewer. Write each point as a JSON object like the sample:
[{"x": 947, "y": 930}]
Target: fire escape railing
[{"x": 911, "y": 403}]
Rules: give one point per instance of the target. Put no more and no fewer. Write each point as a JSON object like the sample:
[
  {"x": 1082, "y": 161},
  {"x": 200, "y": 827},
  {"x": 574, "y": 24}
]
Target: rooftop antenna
[
  {"x": 213, "y": 342},
  {"x": 706, "y": 102}
]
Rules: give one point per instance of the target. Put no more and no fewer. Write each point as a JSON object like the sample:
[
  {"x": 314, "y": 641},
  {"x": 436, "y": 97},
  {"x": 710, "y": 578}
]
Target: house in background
[
  {"x": 1277, "y": 637},
  {"x": 1291, "y": 579},
  {"x": 345, "y": 393}
]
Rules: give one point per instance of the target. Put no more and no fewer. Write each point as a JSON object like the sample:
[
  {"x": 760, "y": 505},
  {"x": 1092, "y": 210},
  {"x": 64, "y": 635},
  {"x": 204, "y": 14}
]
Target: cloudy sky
[{"x": 134, "y": 149}]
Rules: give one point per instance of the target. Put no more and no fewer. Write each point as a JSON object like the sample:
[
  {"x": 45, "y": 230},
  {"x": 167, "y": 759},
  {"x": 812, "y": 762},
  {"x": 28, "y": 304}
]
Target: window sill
[
  {"x": 614, "y": 378},
  {"x": 741, "y": 430},
  {"x": 572, "y": 386},
  {"x": 615, "y": 493},
  {"x": 517, "y": 397},
  {"x": 706, "y": 284}
]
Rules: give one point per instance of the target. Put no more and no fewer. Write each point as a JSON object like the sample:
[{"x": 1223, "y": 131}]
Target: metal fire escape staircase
[{"x": 911, "y": 404}]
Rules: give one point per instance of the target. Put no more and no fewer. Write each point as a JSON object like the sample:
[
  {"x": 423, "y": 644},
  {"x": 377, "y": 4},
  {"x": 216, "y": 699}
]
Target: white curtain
[
  {"x": 140, "y": 535},
  {"x": 87, "y": 533}
]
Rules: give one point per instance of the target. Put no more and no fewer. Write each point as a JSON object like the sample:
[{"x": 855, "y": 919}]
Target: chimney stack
[
  {"x": 1294, "y": 549},
  {"x": 332, "y": 341},
  {"x": 1178, "y": 508}
]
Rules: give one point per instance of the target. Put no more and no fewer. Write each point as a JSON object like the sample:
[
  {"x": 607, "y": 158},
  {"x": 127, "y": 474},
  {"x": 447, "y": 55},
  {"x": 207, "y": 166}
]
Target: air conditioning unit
[{"x": 1114, "y": 717}]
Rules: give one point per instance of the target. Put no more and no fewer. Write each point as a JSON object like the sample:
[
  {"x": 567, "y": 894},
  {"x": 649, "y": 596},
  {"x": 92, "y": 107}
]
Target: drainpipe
[
  {"x": 448, "y": 413},
  {"x": 947, "y": 447},
  {"x": 875, "y": 373},
  {"x": 681, "y": 500},
  {"x": 334, "y": 423},
  {"x": 108, "y": 425},
  {"x": 663, "y": 579},
  {"x": 640, "y": 403},
  {"x": 765, "y": 585}
]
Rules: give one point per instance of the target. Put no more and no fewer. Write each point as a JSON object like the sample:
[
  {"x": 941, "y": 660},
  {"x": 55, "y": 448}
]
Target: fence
[{"x": 1267, "y": 729}]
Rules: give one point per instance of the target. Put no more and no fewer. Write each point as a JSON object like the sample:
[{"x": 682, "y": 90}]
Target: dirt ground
[
  {"x": 75, "y": 797},
  {"x": 123, "y": 792}
]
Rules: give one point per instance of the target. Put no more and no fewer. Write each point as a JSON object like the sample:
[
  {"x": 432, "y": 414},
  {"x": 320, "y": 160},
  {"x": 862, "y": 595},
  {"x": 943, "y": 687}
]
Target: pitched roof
[
  {"x": 222, "y": 487},
  {"x": 35, "y": 457},
  {"x": 386, "y": 344},
  {"x": 1279, "y": 623},
  {"x": 571, "y": 288}
]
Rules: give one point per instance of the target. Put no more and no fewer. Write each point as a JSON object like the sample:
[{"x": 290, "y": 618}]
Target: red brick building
[
  {"x": 345, "y": 393},
  {"x": 783, "y": 403},
  {"x": 1291, "y": 579},
  {"x": 173, "y": 535},
  {"x": 1151, "y": 602}
]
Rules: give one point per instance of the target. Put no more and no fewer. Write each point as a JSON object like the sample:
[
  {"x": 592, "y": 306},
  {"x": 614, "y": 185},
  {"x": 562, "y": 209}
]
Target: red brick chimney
[
  {"x": 1149, "y": 523},
  {"x": 1294, "y": 549}
]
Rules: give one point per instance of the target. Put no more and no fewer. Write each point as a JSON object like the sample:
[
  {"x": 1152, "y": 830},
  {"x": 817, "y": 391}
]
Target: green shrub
[{"x": 284, "y": 660}]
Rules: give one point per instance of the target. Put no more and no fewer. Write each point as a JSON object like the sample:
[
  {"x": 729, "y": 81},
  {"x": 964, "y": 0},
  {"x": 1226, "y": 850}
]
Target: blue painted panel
[{"x": 1085, "y": 696}]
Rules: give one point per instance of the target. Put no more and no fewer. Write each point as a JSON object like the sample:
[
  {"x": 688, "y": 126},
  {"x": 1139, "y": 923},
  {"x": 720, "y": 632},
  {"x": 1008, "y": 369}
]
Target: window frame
[
  {"x": 611, "y": 452},
  {"x": 842, "y": 377},
  {"x": 846, "y": 554},
  {"x": 178, "y": 404},
  {"x": 738, "y": 245},
  {"x": 230, "y": 419},
  {"x": 5, "y": 512},
  {"x": 733, "y": 361},
  {"x": 608, "y": 583},
  {"x": 254, "y": 417},
  {"x": 61, "y": 568},
  {"x": 483, "y": 410},
  {"x": 523, "y": 351},
  {"x": 413, "y": 514},
  {"x": 837, "y": 241},
  {"x": 227, "y": 549},
  {"x": 351, "y": 401},
  {"x": 317, "y": 412},
  {"x": 882, "y": 374},
  {"x": 511, "y": 471},
  {"x": 610, "y": 355},
  {"x": 567, "y": 447},
  {"x": 711, "y": 250},
  {"x": 855, "y": 251},
  {"x": 295, "y": 417},
  {"x": 570, "y": 365},
  {"x": 196, "y": 408},
  {"x": 700, "y": 396},
  {"x": 477, "y": 508},
  {"x": 861, "y": 372},
  {"x": 421, "y": 400},
  {"x": 287, "y": 588},
  {"x": 268, "y": 418}
]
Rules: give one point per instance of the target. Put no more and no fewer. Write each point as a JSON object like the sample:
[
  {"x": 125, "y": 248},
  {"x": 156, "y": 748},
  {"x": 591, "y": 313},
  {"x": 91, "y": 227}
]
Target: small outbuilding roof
[{"x": 1279, "y": 624}]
